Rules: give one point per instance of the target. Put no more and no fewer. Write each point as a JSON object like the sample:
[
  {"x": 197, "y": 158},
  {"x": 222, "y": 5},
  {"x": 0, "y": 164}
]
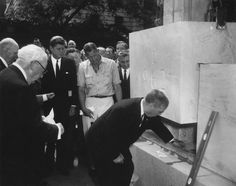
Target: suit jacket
[
  {"x": 125, "y": 85},
  {"x": 65, "y": 88},
  {"x": 22, "y": 131},
  {"x": 2, "y": 66},
  {"x": 118, "y": 128}
]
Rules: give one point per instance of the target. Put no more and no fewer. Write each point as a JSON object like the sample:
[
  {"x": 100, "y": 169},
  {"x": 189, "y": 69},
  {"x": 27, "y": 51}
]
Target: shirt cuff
[
  {"x": 171, "y": 141},
  {"x": 59, "y": 133},
  {"x": 45, "y": 98}
]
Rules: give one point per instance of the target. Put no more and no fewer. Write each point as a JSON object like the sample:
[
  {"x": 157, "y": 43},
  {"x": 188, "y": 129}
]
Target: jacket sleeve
[
  {"x": 46, "y": 88},
  {"x": 30, "y": 117},
  {"x": 160, "y": 129},
  {"x": 75, "y": 97}
]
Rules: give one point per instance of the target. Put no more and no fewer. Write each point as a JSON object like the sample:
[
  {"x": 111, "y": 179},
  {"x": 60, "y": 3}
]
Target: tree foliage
[
  {"x": 144, "y": 10},
  {"x": 47, "y": 11},
  {"x": 60, "y": 12}
]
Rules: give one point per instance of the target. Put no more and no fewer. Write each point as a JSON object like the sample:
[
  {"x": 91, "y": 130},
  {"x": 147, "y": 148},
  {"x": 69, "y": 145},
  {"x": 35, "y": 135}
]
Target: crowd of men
[
  {"x": 56, "y": 91},
  {"x": 43, "y": 93}
]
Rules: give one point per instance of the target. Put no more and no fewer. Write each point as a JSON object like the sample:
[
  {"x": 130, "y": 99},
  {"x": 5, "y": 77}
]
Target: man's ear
[{"x": 32, "y": 63}]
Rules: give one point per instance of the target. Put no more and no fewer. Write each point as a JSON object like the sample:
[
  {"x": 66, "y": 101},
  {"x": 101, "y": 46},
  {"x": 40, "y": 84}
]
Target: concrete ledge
[{"x": 156, "y": 167}]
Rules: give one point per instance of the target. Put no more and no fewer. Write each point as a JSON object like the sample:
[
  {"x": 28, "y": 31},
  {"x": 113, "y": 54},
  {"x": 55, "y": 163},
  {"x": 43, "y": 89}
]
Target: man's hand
[
  {"x": 50, "y": 95},
  {"x": 178, "y": 143},
  {"x": 119, "y": 159},
  {"x": 88, "y": 112}
]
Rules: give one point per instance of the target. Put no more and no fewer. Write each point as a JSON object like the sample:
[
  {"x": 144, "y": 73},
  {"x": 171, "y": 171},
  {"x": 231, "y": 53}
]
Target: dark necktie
[
  {"x": 57, "y": 69},
  {"x": 125, "y": 76},
  {"x": 144, "y": 120}
]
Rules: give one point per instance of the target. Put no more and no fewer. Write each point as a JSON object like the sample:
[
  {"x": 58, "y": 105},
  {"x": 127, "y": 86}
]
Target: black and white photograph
[{"x": 117, "y": 92}]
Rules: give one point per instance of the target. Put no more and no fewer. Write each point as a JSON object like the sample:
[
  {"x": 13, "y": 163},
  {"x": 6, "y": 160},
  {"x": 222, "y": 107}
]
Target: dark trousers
[
  {"x": 114, "y": 174},
  {"x": 20, "y": 177}
]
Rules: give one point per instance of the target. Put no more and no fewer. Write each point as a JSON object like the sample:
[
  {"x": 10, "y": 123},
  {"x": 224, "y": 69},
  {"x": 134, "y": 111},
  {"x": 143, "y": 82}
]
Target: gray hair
[{"x": 31, "y": 53}]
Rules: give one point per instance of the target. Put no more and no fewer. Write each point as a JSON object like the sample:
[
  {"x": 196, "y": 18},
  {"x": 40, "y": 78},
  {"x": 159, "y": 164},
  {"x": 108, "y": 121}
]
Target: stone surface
[
  {"x": 167, "y": 170},
  {"x": 168, "y": 57},
  {"x": 218, "y": 93},
  {"x": 186, "y": 134}
]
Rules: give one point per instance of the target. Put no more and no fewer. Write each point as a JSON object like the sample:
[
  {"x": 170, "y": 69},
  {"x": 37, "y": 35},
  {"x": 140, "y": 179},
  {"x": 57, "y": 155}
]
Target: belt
[{"x": 100, "y": 96}]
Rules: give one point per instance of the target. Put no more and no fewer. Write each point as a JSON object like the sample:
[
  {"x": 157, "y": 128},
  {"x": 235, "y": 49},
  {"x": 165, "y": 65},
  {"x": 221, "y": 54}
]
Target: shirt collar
[
  {"x": 141, "y": 106},
  {"x": 4, "y": 61},
  {"x": 21, "y": 69},
  {"x": 102, "y": 61},
  {"x": 123, "y": 70},
  {"x": 54, "y": 60}
]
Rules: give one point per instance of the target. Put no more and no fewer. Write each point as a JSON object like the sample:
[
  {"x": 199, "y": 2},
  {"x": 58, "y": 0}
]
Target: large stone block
[
  {"x": 155, "y": 167},
  {"x": 168, "y": 57},
  {"x": 218, "y": 93}
]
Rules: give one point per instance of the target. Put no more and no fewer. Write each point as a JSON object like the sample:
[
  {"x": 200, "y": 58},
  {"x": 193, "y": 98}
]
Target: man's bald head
[{"x": 8, "y": 50}]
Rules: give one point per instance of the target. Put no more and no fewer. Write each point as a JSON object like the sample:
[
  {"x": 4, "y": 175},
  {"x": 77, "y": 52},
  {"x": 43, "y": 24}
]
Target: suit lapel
[
  {"x": 18, "y": 72},
  {"x": 62, "y": 65},
  {"x": 2, "y": 66},
  {"x": 128, "y": 76},
  {"x": 121, "y": 75},
  {"x": 50, "y": 68}
]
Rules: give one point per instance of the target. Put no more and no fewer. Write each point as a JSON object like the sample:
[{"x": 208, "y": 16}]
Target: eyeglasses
[{"x": 44, "y": 69}]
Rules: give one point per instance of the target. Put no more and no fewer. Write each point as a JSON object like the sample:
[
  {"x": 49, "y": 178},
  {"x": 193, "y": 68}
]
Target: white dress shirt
[
  {"x": 123, "y": 73},
  {"x": 54, "y": 62},
  {"x": 4, "y": 61}
]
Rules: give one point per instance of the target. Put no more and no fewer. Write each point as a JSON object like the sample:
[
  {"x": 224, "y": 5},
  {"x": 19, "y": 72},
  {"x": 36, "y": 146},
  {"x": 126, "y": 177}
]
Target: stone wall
[{"x": 168, "y": 58}]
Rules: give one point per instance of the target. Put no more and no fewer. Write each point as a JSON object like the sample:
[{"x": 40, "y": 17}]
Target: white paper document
[{"x": 50, "y": 117}]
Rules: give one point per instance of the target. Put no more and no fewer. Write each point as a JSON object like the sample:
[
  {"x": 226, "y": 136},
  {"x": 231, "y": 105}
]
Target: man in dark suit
[
  {"x": 110, "y": 137},
  {"x": 8, "y": 52},
  {"x": 124, "y": 71},
  {"x": 22, "y": 131},
  {"x": 61, "y": 79}
]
